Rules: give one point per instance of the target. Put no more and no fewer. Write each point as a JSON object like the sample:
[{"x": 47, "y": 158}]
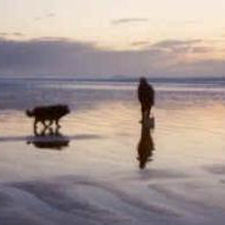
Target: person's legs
[
  {"x": 145, "y": 111},
  {"x": 142, "y": 112},
  {"x": 149, "y": 111}
]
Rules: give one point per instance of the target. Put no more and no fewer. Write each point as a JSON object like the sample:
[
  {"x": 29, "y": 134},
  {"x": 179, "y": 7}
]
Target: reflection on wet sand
[
  {"x": 49, "y": 138},
  {"x": 146, "y": 145}
]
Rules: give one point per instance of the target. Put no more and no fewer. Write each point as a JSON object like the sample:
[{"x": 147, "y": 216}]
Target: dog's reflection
[
  {"x": 145, "y": 146},
  {"x": 49, "y": 138}
]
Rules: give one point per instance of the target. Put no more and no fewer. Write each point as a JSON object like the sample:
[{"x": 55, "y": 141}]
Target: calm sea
[{"x": 22, "y": 93}]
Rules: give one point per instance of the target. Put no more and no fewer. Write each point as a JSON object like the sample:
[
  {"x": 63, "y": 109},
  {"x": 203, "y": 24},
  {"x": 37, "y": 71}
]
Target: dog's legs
[
  {"x": 57, "y": 123},
  {"x": 44, "y": 124},
  {"x": 57, "y": 133},
  {"x": 35, "y": 125},
  {"x": 50, "y": 123}
]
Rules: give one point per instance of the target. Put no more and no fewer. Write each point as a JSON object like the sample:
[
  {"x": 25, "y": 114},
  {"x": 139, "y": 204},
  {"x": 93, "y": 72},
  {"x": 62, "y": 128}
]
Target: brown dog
[{"x": 48, "y": 113}]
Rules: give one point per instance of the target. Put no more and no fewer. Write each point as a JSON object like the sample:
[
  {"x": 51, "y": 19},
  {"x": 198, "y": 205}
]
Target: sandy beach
[
  {"x": 92, "y": 176},
  {"x": 138, "y": 88}
]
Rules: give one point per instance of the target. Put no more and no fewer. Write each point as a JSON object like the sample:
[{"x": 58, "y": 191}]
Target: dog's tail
[{"x": 29, "y": 113}]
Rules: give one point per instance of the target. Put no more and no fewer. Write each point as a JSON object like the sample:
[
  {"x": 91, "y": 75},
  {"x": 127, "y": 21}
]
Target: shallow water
[{"x": 89, "y": 174}]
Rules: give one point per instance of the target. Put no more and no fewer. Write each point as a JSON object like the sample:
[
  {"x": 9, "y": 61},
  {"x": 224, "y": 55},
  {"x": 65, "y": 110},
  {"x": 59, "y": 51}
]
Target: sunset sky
[{"x": 112, "y": 37}]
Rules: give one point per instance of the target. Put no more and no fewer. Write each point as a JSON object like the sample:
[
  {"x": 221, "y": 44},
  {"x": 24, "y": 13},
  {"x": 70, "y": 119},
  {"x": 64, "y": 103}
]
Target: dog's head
[{"x": 29, "y": 113}]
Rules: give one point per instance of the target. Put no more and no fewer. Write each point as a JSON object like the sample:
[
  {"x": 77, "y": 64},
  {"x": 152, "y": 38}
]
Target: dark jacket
[{"x": 146, "y": 93}]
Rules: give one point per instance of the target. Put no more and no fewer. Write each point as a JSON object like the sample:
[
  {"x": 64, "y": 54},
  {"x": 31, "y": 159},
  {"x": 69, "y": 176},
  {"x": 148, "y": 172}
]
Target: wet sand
[{"x": 92, "y": 175}]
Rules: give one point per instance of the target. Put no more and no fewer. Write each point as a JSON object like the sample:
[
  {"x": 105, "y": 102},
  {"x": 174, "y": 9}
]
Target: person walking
[{"x": 146, "y": 97}]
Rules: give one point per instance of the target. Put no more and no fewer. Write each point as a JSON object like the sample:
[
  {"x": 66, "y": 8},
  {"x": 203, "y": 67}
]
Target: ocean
[{"x": 89, "y": 172}]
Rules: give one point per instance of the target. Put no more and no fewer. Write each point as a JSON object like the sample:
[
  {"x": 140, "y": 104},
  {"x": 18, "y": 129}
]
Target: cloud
[
  {"x": 4, "y": 34},
  {"x": 183, "y": 22},
  {"x": 7, "y": 34},
  {"x": 173, "y": 43},
  {"x": 51, "y": 14},
  {"x": 140, "y": 43},
  {"x": 37, "y": 18},
  {"x": 202, "y": 49},
  {"x": 128, "y": 20},
  {"x": 210, "y": 67},
  {"x": 17, "y": 34},
  {"x": 63, "y": 57},
  {"x": 191, "y": 22},
  {"x": 45, "y": 16},
  {"x": 179, "y": 46}
]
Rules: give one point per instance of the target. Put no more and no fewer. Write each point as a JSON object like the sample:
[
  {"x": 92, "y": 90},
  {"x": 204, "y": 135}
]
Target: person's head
[{"x": 142, "y": 80}]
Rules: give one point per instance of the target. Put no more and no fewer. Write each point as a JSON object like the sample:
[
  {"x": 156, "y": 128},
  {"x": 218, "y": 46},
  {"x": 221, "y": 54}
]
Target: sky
[{"x": 112, "y": 38}]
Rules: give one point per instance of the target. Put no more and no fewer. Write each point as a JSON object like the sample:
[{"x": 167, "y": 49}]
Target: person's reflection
[
  {"x": 145, "y": 146},
  {"x": 49, "y": 138}
]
